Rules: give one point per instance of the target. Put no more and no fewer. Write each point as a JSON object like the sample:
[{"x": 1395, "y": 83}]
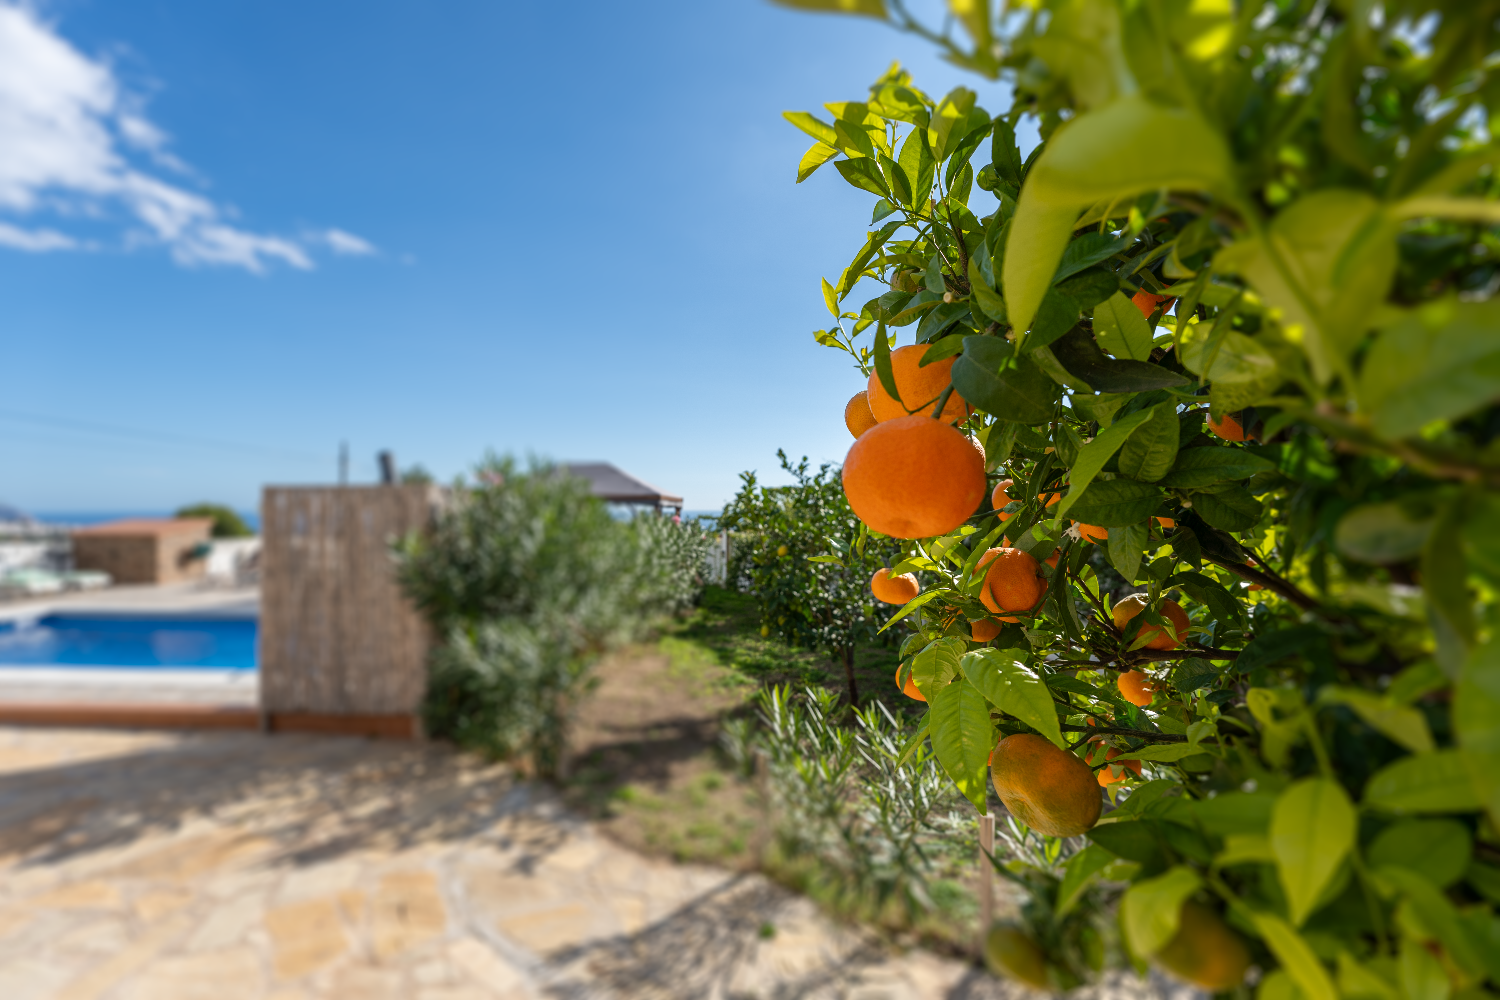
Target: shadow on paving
[{"x": 312, "y": 797}]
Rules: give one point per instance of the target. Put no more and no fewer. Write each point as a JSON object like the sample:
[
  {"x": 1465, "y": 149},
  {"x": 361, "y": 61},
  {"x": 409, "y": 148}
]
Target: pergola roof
[{"x": 617, "y": 486}]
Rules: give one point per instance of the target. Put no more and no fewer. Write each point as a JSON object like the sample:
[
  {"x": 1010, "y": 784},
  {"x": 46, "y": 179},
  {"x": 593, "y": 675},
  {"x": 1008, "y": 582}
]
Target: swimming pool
[{"x": 129, "y": 641}]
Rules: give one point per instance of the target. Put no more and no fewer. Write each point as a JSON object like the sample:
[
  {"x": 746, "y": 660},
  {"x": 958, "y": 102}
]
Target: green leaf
[
  {"x": 1126, "y": 546},
  {"x": 1437, "y": 849},
  {"x": 1077, "y": 352},
  {"x": 912, "y": 605},
  {"x": 1078, "y": 875},
  {"x": 882, "y": 360},
  {"x": 1148, "y": 453},
  {"x": 915, "y": 743},
  {"x": 1228, "y": 508},
  {"x": 831, "y": 298},
  {"x": 1381, "y": 533},
  {"x": 853, "y": 139},
  {"x": 1121, "y": 330},
  {"x": 819, "y": 154},
  {"x": 1151, "y": 911},
  {"x": 1312, "y": 829},
  {"x": 989, "y": 300},
  {"x": 1232, "y": 812},
  {"x": 1227, "y": 357},
  {"x": 1296, "y": 957},
  {"x": 1422, "y": 975},
  {"x": 867, "y": 8},
  {"x": 1198, "y": 467},
  {"x": 1450, "y": 609},
  {"x": 1404, "y": 725},
  {"x": 1093, "y": 456},
  {"x": 989, "y": 379},
  {"x": 1057, "y": 315},
  {"x": 1326, "y": 261},
  {"x": 1356, "y": 982},
  {"x": 1087, "y": 250},
  {"x": 1013, "y": 689},
  {"x": 1090, "y": 287},
  {"x": 1436, "y": 782},
  {"x": 950, "y": 121},
  {"x": 917, "y": 163},
  {"x": 936, "y": 665},
  {"x": 901, "y": 103},
  {"x": 813, "y": 126},
  {"x": 1122, "y": 149},
  {"x": 863, "y": 174},
  {"x": 1439, "y": 362},
  {"x": 1476, "y": 722},
  {"x": 1114, "y": 503},
  {"x": 1166, "y": 753},
  {"x": 962, "y": 738},
  {"x": 1100, "y": 408},
  {"x": 1005, "y": 154}
]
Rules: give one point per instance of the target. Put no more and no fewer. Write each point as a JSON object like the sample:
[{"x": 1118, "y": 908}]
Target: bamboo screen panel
[{"x": 337, "y": 636}]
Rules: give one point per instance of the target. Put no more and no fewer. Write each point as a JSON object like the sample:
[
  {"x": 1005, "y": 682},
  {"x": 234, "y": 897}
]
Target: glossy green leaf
[
  {"x": 1422, "y": 976},
  {"x": 1077, "y": 352},
  {"x": 1014, "y": 689},
  {"x": 1151, "y": 912},
  {"x": 1078, "y": 874},
  {"x": 1358, "y": 982},
  {"x": 813, "y": 126},
  {"x": 863, "y": 174},
  {"x": 1296, "y": 957},
  {"x": 1116, "y": 151},
  {"x": 1057, "y": 315},
  {"x": 1121, "y": 330},
  {"x": 1228, "y": 508},
  {"x": 819, "y": 154},
  {"x": 1126, "y": 546},
  {"x": 1167, "y": 752},
  {"x": 1115, "y": 502},
  {"x": 1436, "y": 914},
  {"x": 917, "y": 163},
  {"x": 989, "y": 379},
  {"x": 1149, "y": 452},
  {"x": 915, "y": 742},
  {"x": 1229, "y": 357},
  {"x": 1198, "y": 467},
  {"x": 1436, "y": 782},
  {"x": 936, "y": 665},
  {"x": 962, "y": 738},
  {"x": 1439, "y": 362},
  {"x": 1312, "y": 830},
  {"x": 1085, "y": 251},
  {"x": 1093, "y": 456}
]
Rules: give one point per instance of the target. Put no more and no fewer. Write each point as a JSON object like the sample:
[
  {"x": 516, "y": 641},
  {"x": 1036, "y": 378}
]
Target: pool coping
[{"x": 168, "y": 716}]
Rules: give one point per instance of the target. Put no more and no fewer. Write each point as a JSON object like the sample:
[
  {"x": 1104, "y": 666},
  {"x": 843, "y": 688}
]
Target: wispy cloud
[{"x": 70, "y": 137}]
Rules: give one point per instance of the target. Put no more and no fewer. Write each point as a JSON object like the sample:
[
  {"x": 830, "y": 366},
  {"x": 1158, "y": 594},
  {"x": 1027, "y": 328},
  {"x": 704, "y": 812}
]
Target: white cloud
[
  {"x": 66, "y": 128},
  {"x": 347, "y": 243}
]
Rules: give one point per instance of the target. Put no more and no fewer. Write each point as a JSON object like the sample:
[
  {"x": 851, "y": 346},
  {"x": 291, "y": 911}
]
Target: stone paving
[{"x": 154, "y": 866}]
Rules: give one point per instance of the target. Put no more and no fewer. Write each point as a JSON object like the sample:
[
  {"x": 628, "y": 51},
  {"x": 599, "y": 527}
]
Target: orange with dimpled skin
[
  {"x": 913, "y": 477},
  {"x": 896, "y": 590},
  {"x": 909, "y": 688},
  {"x": 1013, "y": 581},
  {"x": 1228, "y": 428},
  {"x": 1048, "y": 789},
  {"x": 1133, "y": 604},
  {"x": 919, "y": 387},
  {"x": 1108, "y": 777},
  {"x": 857, "y": 415},
  {"x": 984, "y": 630},
  {"x": 1135, "y": 687}
]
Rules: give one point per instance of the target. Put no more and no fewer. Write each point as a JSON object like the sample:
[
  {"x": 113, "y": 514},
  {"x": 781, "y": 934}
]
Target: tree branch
[
  {"x": 1268, "y": 580},
  {"x": 1139, "y": 734}
]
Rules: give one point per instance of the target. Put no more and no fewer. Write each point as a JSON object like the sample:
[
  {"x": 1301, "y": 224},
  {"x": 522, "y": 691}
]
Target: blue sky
[{"x": 250, "y": 231}]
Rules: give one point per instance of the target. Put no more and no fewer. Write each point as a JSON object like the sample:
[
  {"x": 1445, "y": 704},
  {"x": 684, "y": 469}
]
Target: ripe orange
[
  {"x": 1167, "y": 522},
  {"x": 1133, "y": 605},
  {"x": 1107, "y": 776},
  {"x": 1204, "y": 951},
  {"x": 1147, "y": 302},
  {"x": 999, "y": 498},
  {"x": 1012, "y": 583},
  {"x": 1093, "y": 532},
  {"x": 1010, "y": 951},
  {"x": 1135, "y": 687},
  {"x": 913, "y": 477},
  {"x": 985, "y": 629},
  {"x": 1228, "y": 428},
  {"x": 919, "y": 387},
  {"x": 1048, "y": 789},
  {"x": 857, "y": 415},
  {"x": 909, "y": 689},
  {"x": 894, "y": 589}
]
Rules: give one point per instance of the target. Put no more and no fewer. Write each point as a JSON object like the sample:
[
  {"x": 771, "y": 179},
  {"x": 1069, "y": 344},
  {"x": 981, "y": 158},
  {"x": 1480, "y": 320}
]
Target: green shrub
[
  {"x": 526, "y": 579},
  {"x": 807, "y": 560},
  {"x": 227, "y": 524}
]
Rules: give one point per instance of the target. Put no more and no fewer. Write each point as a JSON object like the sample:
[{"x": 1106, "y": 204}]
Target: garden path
[{"x": 167, "y": 866}]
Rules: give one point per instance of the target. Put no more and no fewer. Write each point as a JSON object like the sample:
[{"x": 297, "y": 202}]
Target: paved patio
[{"x": 163, "y": 866}]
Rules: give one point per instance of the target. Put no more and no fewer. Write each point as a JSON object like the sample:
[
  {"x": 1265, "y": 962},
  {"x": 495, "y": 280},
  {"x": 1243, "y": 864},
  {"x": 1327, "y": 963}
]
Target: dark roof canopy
[{"x": 610, "y": 483}]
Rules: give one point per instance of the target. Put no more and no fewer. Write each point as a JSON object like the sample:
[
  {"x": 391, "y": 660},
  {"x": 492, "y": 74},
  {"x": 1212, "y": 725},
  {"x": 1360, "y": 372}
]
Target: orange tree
[
  {"x": 808, "y": 561},
  {"x": 1237, "y": 309}
]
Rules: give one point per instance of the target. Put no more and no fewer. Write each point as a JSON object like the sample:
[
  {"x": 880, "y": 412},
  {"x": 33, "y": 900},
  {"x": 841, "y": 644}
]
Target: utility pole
[{"x": 343, "y": 463}]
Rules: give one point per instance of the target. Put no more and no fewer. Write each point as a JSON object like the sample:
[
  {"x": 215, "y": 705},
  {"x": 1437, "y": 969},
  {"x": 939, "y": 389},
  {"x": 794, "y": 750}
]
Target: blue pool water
[{"x": 133, "y": 641}]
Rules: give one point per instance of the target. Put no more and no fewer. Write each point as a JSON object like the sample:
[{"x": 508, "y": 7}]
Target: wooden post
[{"x": 986, "y": 878}]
